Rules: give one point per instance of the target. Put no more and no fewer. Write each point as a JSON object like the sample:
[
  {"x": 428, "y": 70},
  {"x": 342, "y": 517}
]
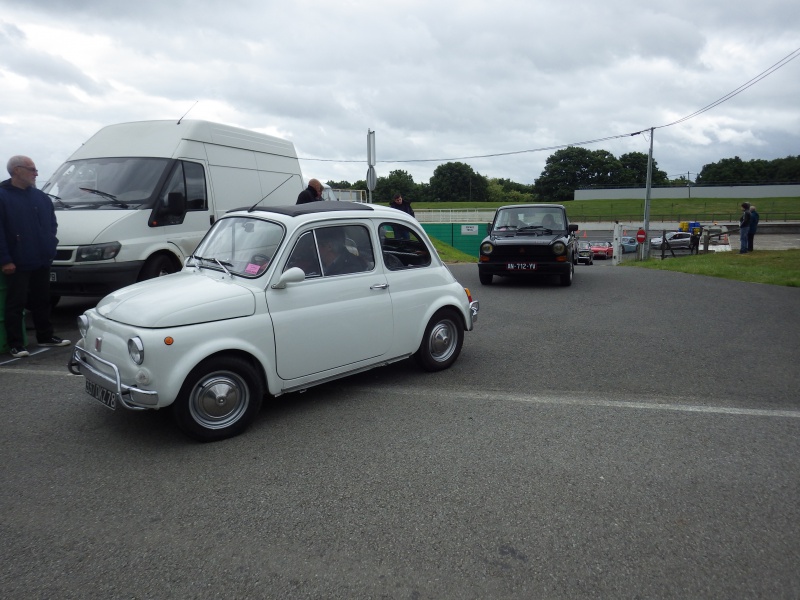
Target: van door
[{"x": 182, "y": 208}]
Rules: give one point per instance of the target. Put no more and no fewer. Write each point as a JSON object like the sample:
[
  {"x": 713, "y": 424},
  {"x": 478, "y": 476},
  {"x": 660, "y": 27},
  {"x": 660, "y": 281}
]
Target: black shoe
[
  {"x": 55, "y": 341},
  {"x": 19, "y": 352}
]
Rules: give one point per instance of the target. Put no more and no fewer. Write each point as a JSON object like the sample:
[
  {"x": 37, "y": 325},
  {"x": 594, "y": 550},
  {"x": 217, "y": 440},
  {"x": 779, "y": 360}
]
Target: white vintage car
[{"x": 274, "y": 300}]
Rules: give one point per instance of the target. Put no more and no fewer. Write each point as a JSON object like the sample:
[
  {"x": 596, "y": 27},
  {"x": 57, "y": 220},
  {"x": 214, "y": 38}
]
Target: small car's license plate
[
  {"x": 107, "y": 397},
  {"x": 521, "y": 266}
]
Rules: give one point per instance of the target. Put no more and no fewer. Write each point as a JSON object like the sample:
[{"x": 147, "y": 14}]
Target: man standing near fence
[
  {"x": 753, "y": 226},
  {"x": 744, "y": 227}
]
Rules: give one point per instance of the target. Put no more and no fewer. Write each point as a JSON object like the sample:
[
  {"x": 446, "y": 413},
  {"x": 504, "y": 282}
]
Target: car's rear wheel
[
  {"x": 566, "y": 278},
  {"x": 442, "y": 341},
  {"x": 219, "y": 399},
  {"x": 485, "y": 278}
]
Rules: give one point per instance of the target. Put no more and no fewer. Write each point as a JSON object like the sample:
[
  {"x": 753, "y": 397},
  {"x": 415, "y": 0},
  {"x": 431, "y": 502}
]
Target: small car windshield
[
  {"x": 529, "y": 220},
  {"x": 240, "y": 246}
]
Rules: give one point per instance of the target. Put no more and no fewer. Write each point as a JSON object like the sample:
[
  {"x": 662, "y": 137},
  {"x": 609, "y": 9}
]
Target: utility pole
[{"x": 649, "y": 184}]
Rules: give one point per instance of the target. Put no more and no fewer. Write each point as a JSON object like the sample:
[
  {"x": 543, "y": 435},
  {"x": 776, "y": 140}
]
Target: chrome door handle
[{"x": 379, "y": 286}]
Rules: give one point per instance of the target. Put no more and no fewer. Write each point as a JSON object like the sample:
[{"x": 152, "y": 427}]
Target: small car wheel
[
  {"x": 219, "y": 399},
  {"x": 442, "y": 341},
  {"x": 566, "y": 278},
  {"x": 485, "y": 278}
]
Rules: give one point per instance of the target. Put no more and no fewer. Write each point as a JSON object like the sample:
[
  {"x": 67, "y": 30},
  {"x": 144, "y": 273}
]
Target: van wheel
[
  {"x": 442, "y": 341},
  {"x": 219, "y": 399},
  {"x": 157, "y": 266}
]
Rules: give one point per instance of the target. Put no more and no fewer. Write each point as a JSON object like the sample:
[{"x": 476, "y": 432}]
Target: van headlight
[
  {"x": 136, "y": 350},
  {"x": 97, "y": 252}
]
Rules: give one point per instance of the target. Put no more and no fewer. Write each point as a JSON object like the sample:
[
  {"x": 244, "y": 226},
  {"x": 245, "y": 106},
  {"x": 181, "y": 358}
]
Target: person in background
[
  {"x": 27, "y": 247},
  {"x": 400, "y": 204},
  {"x": 744, "y": 227},
  {"x": 312, "y": 193},
  {"x": 753, "y": 226}
]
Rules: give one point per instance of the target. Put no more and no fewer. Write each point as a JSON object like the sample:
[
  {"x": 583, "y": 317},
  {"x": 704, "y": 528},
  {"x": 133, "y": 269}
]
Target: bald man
[{"x": 311, "y": 194}]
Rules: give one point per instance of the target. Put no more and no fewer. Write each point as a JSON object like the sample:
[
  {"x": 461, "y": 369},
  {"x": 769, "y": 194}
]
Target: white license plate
[
  {"x": 107, "y": 397},
  {"x": 53, "y": 276},
  {"x": 521, "y": 266}
]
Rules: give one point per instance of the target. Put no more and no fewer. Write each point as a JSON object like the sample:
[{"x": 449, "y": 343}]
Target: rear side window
[{"x": 402, "y": 248}]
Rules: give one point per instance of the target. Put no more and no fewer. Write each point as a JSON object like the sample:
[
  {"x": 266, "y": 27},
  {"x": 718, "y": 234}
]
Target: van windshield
[{"x": 105, "y": 182}]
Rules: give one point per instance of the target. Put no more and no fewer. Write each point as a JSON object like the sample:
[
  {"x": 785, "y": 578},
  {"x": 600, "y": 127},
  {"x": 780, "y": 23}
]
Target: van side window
[
  {"x": 402, "y": 248},
  {"x": 195, "y": 186}
]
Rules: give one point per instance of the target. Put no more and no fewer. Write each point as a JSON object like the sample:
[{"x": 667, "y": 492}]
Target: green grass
[
  {"x": 449, "y": 254},
  {"x": 662, "y": 209},
  {"x": 774, "y": 267}
]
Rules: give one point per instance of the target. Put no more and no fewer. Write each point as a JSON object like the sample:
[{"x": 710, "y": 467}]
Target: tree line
[{"x": 565, "y": 171}]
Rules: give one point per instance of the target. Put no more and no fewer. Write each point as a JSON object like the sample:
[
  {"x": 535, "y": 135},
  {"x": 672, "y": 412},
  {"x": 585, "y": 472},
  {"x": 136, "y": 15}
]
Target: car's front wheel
[
  {"x": 485, "y": 278},
  {"x": 219, "y": 399},
  {"x": 442, "y": 341},
  {"x": 566, "y": 278}
]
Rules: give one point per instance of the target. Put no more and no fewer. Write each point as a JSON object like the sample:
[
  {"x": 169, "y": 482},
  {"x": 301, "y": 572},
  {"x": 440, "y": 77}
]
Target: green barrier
[
  {"x": 3, "y": 338},
  {"x": 466, "y": 237}
]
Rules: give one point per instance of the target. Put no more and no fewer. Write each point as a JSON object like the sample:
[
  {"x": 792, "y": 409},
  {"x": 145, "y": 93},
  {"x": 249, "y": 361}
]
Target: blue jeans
[{"x": 743, "y": 239}]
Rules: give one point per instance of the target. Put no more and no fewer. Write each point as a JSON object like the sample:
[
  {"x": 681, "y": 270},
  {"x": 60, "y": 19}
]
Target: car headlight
[
  {"x": 136, "y": 350},
  {"x": 98, "y": 252},
  {"x": 487, "y": 248},
  {"x": 83, "y": 325},
  {"x": 559, "y": 248}
]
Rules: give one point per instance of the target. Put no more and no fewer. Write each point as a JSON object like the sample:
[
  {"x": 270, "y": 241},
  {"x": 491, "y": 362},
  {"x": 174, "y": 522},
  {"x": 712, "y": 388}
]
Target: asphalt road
[{"x": 634, "y": 435}]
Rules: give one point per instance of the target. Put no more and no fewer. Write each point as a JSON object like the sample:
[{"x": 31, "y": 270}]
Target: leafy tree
[
  {"x": 736, "y": 171},
  {"x": 565, "y": 171},
  {"x": 457, "y": 182},
  {"x": 396, "y": 181},
  {"x": 634, "y": 171},
  {"x": 340, "y": 185}
]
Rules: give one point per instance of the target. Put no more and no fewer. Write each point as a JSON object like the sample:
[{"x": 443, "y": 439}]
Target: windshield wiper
[
  {"x": 59, "y": 200},
  {"x": 111, "y": 197},
  {"x": 535, "y": 228},
  {"x": 221, "y": 263}
]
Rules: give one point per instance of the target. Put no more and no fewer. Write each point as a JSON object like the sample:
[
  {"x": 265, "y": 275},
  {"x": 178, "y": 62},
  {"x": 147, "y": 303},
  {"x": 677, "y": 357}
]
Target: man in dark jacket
[
  {"x": 312, "y": 193},
  {"x": 753, "y": 226},
  {"x": 400, "y": 204},
  {"x": 744, "y": 227},
  {"x": 27, "y": 247}
]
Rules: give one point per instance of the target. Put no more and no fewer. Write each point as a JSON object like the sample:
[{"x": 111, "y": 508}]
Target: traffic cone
[{"x": 584, "y": 233}]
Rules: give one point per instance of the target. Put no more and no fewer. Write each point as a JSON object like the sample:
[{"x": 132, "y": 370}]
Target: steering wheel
[{"x": 260, "y": 259}]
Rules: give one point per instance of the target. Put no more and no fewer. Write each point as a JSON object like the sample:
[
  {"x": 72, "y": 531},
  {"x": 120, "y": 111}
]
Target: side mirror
[
  {"x": 293, "y": 275},
  {"x": 573, "y": 227}
]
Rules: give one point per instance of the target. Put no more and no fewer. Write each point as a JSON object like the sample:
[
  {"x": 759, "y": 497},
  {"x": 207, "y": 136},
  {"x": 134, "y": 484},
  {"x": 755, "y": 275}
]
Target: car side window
[
  {"x": 304, "y": 255},
  {"x": 402, "y": 248},
  {"x": 344, "y": 249}
]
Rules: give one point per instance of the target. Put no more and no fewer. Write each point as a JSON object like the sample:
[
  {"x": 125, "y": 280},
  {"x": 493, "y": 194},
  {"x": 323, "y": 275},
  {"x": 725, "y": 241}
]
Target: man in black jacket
[
  {"x": 312, "y": 193},
  {"x": 400, "y": 204}
]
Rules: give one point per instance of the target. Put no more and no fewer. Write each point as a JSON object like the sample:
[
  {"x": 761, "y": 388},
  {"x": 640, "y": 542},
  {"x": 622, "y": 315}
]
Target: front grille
[
  {"x": 522, "y": 253},
  {"x": 63, "y": 255}
]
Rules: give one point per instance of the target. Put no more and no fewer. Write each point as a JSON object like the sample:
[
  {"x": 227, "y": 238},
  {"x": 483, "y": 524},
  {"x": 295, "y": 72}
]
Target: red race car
[{"x": 602, "y": 249}]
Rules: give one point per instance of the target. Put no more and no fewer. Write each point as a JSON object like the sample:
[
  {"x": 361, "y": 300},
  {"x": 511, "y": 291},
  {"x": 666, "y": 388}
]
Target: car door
[{"x": 327, "y": 323}]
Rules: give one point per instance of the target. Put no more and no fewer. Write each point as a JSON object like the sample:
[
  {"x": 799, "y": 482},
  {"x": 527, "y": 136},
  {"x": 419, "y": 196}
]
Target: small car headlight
[
  {"x": 83, "y": 325},
  {"x": 487, "y": 248},
  {"x": 136, "y": 350},
  {"x": 559, "y": 248}
]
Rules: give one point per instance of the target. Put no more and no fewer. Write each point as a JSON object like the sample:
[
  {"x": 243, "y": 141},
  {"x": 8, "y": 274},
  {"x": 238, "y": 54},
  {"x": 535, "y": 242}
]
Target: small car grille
[
  {"x": 63, "y": 255},
  {"x": 518, "y": 252}
]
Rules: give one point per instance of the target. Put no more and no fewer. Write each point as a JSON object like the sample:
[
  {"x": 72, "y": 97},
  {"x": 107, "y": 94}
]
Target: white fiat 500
[{"x": 274, "y": 300}]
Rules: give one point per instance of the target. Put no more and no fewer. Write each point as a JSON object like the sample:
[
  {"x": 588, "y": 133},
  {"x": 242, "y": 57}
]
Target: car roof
[
  {"x": 548, "y": 205},
  {"x": 312, "y": 211}
]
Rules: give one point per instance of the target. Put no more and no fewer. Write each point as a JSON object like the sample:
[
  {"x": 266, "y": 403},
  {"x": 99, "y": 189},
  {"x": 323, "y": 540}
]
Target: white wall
[{"x": 737, "y": 191}]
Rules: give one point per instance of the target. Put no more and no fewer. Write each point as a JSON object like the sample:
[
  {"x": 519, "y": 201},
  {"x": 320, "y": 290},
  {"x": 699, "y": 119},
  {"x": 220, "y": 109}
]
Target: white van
[{"x": 135, "y": 199}]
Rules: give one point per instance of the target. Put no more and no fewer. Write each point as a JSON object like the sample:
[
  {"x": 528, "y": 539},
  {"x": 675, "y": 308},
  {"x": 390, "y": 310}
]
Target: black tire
[
  {"x": 158, "y": 266},
  {"x": 442, "y": 341},
  {"x": 485, "y": 278},
  {"x": 54, "y": 300},
  {"x": 219, "y": 399},
  {"x": 566, "y": 278}
]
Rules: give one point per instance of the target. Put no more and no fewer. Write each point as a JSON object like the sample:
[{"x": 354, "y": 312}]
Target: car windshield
[
  {"x": 529, "y": 220},
  {"x": 239, "y": 246},
  {"x": 105, "y": 182}
]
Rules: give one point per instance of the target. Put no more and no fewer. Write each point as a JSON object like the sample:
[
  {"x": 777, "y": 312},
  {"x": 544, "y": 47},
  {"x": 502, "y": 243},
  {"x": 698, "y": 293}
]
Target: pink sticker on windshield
[{"x": 252, "y": 269}]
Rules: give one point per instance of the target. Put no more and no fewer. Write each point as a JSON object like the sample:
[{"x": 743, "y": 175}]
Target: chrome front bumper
[{"x": 129, "y": 397}]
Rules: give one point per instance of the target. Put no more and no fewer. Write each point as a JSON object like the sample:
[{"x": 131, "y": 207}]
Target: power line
[{"x": 778, "y": 65}]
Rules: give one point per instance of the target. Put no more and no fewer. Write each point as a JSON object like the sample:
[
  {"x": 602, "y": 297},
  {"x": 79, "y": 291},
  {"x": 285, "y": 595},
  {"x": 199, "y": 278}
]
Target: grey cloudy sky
[{"x": 435, "y": 79}]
